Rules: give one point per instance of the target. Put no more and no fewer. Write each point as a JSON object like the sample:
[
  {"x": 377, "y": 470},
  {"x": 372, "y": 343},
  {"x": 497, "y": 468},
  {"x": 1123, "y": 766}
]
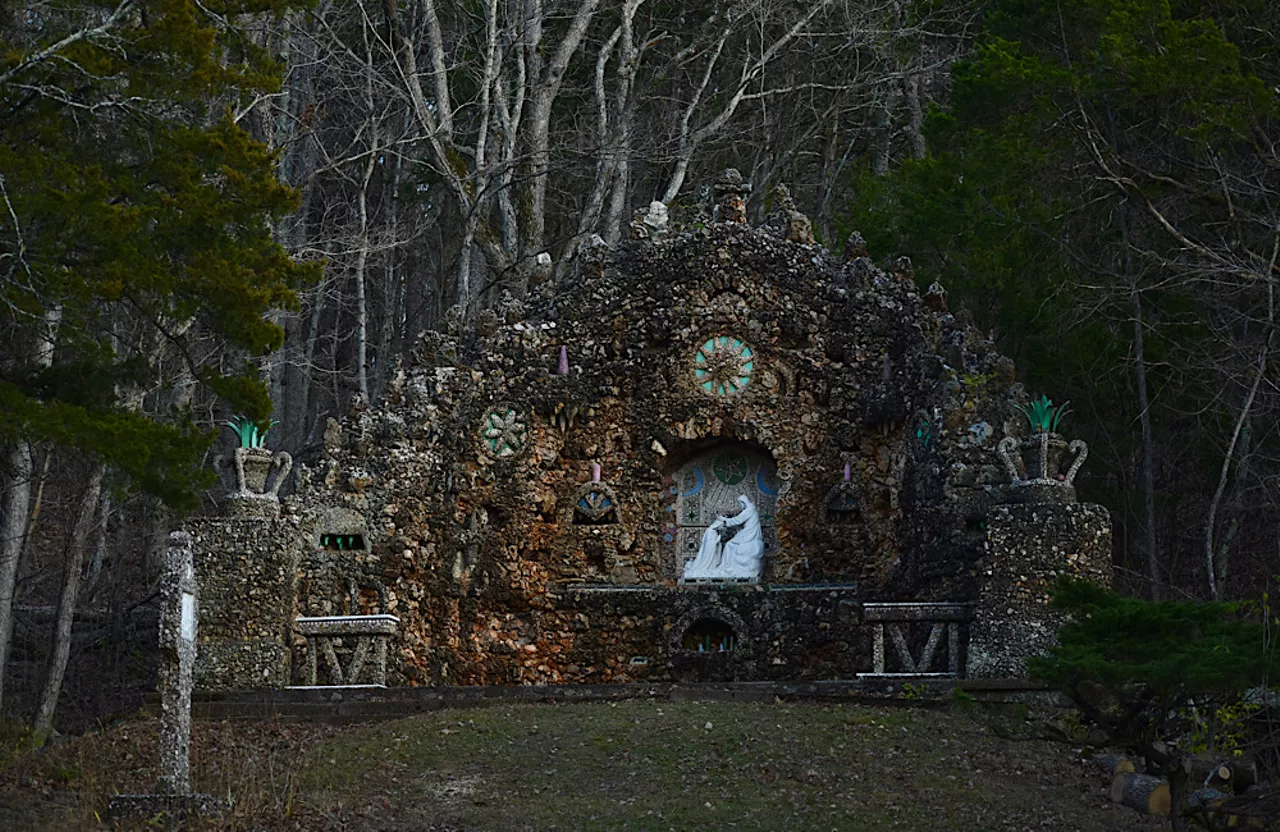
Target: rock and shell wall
[{"x": 861, "y": 417}]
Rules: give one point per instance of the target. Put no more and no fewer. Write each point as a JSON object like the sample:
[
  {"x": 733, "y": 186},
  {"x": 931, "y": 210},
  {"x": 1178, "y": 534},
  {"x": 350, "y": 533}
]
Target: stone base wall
[
  {"x": 777, "y": 633},
  {"x": 1028, "y": 548},
  {"x": 247, "y": 570},
  {"x": 250, "y": 571},
  {"x": 235, "y": 664},
  {"x": 607, "y": 634}
]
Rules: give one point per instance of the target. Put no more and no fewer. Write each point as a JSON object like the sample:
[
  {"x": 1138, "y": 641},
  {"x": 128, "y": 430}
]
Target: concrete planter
[
  {"x": 1037, "y": 474},
  {"x": 253, "y": 471}
]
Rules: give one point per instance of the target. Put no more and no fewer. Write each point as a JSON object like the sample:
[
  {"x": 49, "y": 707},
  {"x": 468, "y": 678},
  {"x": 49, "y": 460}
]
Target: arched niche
[
  {"x": 842, "y": 506},
  {"x": 709, "y": 635},
  {"x": 340, "y": 529},
  {"x": 337, "y": 574},
  {"x": 708, "y": 484},
  {"x": 710, "y": 628}
]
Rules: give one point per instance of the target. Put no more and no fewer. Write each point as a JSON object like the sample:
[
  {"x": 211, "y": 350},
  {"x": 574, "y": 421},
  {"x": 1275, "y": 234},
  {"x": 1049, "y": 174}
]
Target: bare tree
[
  {"x": 1210, "y": 231},
  {"x": 76, "y": 549},
  {"x": 18, "y": 506},
  {"x": 524, "y": 128}
]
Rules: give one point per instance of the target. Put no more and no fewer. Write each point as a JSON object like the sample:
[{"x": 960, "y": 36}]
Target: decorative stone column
[
  {"x": 248, "y": 574},
  {"x": 1041, "y": 535},
  {"x": 731, "y": 192},
  {"x": 1028, "y": 547},
  {"x": 178, "y": 627},
  {"x": 179, "y": 617}
]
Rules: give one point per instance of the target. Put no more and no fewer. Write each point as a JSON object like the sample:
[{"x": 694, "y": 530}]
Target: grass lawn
[{"x": 643, "y": 765}]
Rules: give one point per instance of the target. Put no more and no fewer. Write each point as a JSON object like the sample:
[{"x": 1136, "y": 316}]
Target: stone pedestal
[
  {"x": 895, "y": 618},
  {"x": 1028, "y": 547},
  {"x": 367, "y": 633},
  {"x": 248, "y": 571}
]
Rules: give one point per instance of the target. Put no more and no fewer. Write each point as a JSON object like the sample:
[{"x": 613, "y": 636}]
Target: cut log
[
  {"x": 1118, "y": 782},
  {"x": 1239, "y": 812},
  {"x": 1147, "y": 794},
  {"x": 1206, "y": 798},
  {"x": 1212, "y": 774},
  {"x": 1113, "y": 764},
  {"x": 1229, "y": 775},
  {"x": 1244, "y": 774},
  {"x": 1255, "y": 808}
]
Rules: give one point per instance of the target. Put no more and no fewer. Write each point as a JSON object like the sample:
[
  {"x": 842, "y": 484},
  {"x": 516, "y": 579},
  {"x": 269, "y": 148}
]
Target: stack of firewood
[{"x": 1214, "y": 780}]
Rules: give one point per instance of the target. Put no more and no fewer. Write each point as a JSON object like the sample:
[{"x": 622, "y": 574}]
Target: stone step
[{"x": 366, "y": 703}]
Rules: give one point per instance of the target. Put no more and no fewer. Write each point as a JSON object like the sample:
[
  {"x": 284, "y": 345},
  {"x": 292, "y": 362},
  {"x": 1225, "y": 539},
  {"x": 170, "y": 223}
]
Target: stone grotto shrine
[{"x": 522, "y": 506}]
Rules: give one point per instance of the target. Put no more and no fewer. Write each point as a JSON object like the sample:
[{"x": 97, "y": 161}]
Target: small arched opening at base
[
  {"x": 709, "y": 635},
  {"x": 341, "y": 542}
]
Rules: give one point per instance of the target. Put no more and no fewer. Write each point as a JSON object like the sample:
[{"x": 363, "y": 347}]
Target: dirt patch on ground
[{"x": 629, "y": 765}]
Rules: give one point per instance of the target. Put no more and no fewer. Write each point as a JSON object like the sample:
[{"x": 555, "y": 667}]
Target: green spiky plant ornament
[
  {"x": 1035, "y": 464},
  {"x": 1044, "y": 416},
  {"x": 250, "y": 434}
]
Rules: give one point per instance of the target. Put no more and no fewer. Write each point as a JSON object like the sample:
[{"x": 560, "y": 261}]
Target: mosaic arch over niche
[
  {"x": 724, "y": 365},
  {"x": 594, "y": 504},
  {"x": 709, "y": 484},
  {"x": 339, "y": 529}
]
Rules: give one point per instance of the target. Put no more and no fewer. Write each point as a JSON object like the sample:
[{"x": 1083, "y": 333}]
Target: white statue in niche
[{"x": 730, "y": 555}]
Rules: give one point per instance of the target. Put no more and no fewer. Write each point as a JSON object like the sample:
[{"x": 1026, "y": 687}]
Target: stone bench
[
  {"x": 892, "y": 616},
  {"x": 369, "y": 632}
]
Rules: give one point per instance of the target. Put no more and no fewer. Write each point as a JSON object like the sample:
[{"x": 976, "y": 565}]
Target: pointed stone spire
[
  {"x": 731, "y": 197},
  {"x": 563, "y": 368}
]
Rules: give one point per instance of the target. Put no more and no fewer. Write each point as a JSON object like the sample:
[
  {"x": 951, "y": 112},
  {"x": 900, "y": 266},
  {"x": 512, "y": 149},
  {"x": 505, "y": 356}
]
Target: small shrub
[{"x": 16, "y": 739}]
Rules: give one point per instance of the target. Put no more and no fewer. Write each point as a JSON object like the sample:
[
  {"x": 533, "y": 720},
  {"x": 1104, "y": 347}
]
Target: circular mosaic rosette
[
  {"x": 730, "y": 468},
  {"x": 724, "y": 365},
  {"x": 503, "y": 432}
]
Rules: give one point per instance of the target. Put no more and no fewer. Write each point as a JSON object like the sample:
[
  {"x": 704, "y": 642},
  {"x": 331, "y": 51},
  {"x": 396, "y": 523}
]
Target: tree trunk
[
  {"x": 391, "y": 340},
  {"x": 362, "y": 260},
  {"x": 1148, "y": 455},
  {"x": 67, "y": 602},
  {"x": 100, "y": 549},
  {"x": 1177, "y": 795},
  {"x": 915, "y": 116},
  {"x": 464, "y": 289},
  {"x": 1217, "y": 573},
  {"x": 882, "y": 136},
  {"x": 288, "y": 134},
  {"x": 17, "y": 504},
  {"x": 13, "y": 533},
  {"x": 546, "y": 89},
  {"x": 301, "y": 395}
]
